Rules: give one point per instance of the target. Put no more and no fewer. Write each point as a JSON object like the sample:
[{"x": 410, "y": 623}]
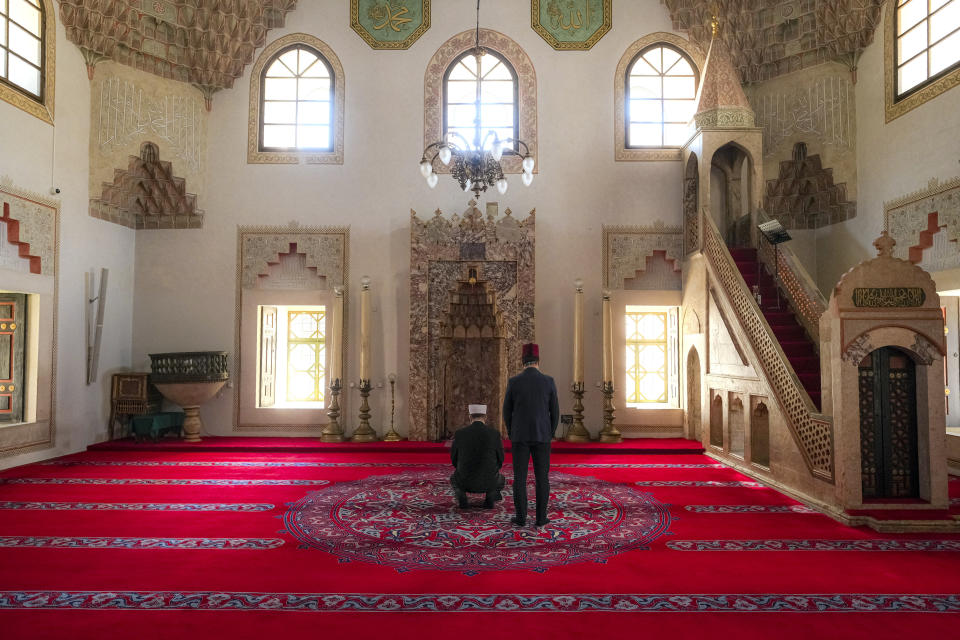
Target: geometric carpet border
[
  {"x": 815, "y": 545},
  {"x": 104, "y": 542},
  {"x": 363, "y": 602},
  {"x": 243, "y": 507},
  {"x": 749, "y": 508},
  {"x": 295, "y": 464}
]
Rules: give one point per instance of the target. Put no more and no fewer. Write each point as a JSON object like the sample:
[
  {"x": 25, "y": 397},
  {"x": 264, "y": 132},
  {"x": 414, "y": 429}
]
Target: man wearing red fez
[{"x": 531, "y": 412}]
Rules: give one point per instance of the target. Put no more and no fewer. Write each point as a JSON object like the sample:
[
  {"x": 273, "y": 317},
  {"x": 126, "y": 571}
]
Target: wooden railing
[
  {"x": 812, "y": 431},
  {"x": 802, "y": 292}
]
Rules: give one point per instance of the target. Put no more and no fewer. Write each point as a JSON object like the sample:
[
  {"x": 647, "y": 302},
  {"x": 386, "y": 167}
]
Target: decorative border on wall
[
  {"x": 254, "y": 155},
  {"x": 626, "y": 249},
  {"x": 527, "y": 92},
  {"x": 620, "y": 151},
  {"x": 50, "y": 266},
  {"x": 371, "y": 39},
  {"x": 895, "y": 108},
  {"x": 254, "y": 245},
  {"x": 905, "y": 222},
  {"x": 40, "y": 109},
  {"x": 606, "y": 23}
]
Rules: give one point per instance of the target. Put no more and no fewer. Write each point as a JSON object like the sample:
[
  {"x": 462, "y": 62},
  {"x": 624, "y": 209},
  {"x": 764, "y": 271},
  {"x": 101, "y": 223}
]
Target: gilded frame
[
  {"x": 254, "y": 154},
  {"x": 42, "y": 109},
  {"x": 621, "y": 153},
  {"x": 606, "y": 24},
  {"x": 526, "y": 87},
  {"x": 374, "y": 43},
  {"x": 895, "y": 108}
]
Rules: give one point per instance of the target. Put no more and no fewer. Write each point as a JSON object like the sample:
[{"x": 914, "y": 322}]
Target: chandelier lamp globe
[{"x": 475, "y": 167}]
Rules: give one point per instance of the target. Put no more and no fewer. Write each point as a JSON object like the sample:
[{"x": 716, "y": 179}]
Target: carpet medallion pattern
[{"x": 409, "y": 521}]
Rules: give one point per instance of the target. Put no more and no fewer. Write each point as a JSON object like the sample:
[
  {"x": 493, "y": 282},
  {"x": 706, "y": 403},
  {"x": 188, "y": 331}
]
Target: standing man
[
  {"x": 531, "y": 413},
  {"x": 477, "y": 454}
]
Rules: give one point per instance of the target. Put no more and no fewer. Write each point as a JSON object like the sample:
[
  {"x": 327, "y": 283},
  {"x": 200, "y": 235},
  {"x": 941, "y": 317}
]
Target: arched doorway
[
  {"x": 716, "y": 421},
  {"x": 889, "y": 459},
  {"x": 730, "y": 175},
  {"x": 693, "y": 395}
]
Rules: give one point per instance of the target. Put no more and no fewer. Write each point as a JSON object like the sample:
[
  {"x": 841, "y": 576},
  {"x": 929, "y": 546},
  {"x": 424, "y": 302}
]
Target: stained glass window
[
  {"x": 928, "y": 41},
  {"x": 297, "y": 101},
  {"x": 21, "y": 45},
  {"x": 648, "y": 356},
  {"x": 661, "y": 95},
  {"x": 480, "y": 96},
  {"x": 306, "y": 371}
]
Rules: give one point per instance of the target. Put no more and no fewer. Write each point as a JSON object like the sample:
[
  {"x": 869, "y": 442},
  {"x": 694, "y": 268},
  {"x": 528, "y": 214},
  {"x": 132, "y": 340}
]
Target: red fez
[{"x": 531, "y": 352}]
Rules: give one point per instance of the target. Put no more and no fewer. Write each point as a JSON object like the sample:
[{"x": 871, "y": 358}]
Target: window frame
[
  {"x": 622, "y": 153},
  {"x": 257, "y": 155},
  {"x": 433, "y": 92},
  {"x": 626, "y": 80},
  {"x": 40, "y": 106},
  {"x": 896, "y": 106},
  {"x": 514, "y": 148},
  {"x": 263, "y": 100},
  {"x": 898, "y": 95},
  {"x": 6, "y": 47}
]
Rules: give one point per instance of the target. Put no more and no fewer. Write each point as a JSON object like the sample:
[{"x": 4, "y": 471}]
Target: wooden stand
[
  {"x": 577, "y": 432},
  {"x": 609, "y": 434},
  {"x": 333, "y": 432},
  {"x": 364, "y": 432}
]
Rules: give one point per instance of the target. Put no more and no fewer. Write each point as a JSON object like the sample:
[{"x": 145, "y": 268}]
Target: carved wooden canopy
[
  {"x": 204, "y": 42},
  {"x": 768, "y": 38}
]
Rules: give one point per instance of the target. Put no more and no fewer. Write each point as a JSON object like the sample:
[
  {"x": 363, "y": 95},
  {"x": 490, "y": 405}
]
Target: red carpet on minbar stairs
[{"x": 150, "y": 542}]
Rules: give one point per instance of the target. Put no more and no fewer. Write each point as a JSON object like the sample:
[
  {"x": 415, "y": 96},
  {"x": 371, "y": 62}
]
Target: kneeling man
[{"x": 477, "y": 454}]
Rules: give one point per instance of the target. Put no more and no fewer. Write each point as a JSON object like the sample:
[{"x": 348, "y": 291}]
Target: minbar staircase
[{"x": 796, "y": 344}]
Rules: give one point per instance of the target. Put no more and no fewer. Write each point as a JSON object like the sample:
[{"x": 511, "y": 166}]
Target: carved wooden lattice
[
  {"x": 813, "y": 435},
  {"x": 868, "y": 434}
]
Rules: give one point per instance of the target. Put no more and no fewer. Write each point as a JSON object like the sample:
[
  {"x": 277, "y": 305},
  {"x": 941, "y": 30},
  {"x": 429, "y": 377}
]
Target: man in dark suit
[
  {"x": 531, "y": 413},
  {"x": 477, "y": 453}
]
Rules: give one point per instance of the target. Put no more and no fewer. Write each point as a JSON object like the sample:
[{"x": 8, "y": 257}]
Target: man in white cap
[{"x": 477, "y": 454}]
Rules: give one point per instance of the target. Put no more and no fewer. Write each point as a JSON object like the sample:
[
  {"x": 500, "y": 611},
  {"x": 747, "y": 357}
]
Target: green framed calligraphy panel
[
  {"x": 571, "y": 25},
  {"x": 390, "y": 24}
]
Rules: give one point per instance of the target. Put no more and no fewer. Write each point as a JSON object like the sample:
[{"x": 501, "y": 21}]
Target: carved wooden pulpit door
[{"x": 888, "y": 425}]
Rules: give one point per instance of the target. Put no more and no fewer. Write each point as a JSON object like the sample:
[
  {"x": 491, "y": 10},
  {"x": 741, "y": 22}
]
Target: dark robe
[{"x": 477, "y": 453}]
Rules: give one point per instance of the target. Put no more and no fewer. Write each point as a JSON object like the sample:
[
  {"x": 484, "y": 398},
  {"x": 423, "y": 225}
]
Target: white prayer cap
[{"x": 478, "y": 409}]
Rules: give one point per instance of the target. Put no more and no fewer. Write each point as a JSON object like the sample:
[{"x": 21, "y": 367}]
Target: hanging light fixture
[{"x": 475, "y": 167}]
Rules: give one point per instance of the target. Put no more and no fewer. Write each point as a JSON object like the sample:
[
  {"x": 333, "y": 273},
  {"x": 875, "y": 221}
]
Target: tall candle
[
  {"x": 365, "y": 328},
  {"x": 336, "y": 342},
  {"x": 607, "y": 339},
  {"x": 578, "y": 332}
]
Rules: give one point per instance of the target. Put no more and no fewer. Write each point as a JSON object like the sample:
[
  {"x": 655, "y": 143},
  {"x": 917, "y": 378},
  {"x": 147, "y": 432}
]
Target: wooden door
[
  {"x": 888, "y": 425},
  {"x": 268, "y": 357},
  {"x": 13, "y": 335}
]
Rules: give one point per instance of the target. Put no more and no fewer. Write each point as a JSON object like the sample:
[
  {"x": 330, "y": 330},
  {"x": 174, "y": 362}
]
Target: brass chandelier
[{"x": 476, "y": 167}]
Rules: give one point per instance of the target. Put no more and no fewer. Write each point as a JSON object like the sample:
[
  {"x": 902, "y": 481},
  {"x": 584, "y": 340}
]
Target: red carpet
[
  {"x": 213, "y": 544},
  {"x": 313, "y": 445}
]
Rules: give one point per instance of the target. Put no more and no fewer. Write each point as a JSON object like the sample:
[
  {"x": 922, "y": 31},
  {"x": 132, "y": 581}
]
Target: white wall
[
  {"x": 36, "y": 155},
  {"x": 893, "y": 159},
  {"x": 185, "y": 280}
]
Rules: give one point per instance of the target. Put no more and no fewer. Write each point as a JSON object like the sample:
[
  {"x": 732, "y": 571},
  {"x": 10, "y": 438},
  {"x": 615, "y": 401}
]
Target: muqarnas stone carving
[
  {"x": 443, "y": 251},
  {"x": 146, "y": 195}
]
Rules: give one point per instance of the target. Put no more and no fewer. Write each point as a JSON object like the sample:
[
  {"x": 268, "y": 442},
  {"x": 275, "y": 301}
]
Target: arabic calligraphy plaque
[
  {"x": 888, "y": 297},
  {"x": 390, "y": 24},
  {"x": 571, "y": 25}
]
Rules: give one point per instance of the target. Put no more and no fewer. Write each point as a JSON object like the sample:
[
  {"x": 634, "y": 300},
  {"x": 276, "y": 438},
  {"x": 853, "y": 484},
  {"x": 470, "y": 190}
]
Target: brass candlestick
[
  {"x": 577, "y": 432},
  {"x": 609, "y": 434},
  {"x": 364, "y": 433},
  {"x": 333, "y": 432},
  {"x": 392, "y": 436}
]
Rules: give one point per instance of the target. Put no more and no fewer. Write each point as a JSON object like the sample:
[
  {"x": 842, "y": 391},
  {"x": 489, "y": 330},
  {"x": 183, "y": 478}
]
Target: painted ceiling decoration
[
  {"x": 769, "y": 38},
  {"x": 206, "y": 43}
]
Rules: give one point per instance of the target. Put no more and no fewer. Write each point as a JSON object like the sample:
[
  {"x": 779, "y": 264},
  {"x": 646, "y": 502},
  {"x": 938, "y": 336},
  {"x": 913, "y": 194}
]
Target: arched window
[
  {"x": 297, "y": 101},
  {"x": 927, "y": 42},
  {"x": 480, "y": 99},
  {"x": 661, "y": 91},
  {"x": 22, "y": 45}
]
